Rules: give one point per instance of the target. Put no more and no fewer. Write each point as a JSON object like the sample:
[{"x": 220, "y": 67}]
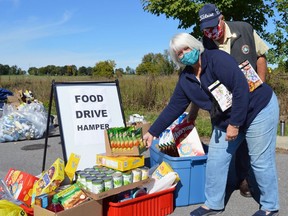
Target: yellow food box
[
  {"x": 72, "y": 165},
  {"x": 163, "y": 169},
  {"x": 50, "y": 179},
  {"x": 121, "y": 163}
]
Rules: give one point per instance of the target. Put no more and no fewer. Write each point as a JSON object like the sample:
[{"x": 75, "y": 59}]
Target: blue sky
[{"x": 37, "y": 33}]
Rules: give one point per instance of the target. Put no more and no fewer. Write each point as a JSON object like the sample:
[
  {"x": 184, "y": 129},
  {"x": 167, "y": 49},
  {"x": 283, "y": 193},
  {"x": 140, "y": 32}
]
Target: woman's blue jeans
[{"x": 261, "y": 141}]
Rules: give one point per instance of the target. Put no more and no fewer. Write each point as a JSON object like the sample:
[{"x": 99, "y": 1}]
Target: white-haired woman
[{"x": 251, "y": 115}]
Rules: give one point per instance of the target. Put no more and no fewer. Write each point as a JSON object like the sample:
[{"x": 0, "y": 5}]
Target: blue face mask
[{"x": 190, "y": 58}]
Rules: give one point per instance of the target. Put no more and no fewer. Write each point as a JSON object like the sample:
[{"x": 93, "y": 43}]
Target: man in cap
[{"x": 241, "y": 41}]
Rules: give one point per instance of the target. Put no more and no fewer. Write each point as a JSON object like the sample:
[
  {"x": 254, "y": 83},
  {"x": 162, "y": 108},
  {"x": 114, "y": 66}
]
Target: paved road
[{"x": 28, "y": 157}]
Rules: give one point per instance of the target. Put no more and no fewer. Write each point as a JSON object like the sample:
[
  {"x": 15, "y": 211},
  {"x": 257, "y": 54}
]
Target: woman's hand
[
  {"x": 147, "y": 139},
  {"x": 231, "y": 133}
]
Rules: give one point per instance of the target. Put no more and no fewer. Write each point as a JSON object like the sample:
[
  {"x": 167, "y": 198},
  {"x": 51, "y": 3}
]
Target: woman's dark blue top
[{"x": 215, "y": 65}]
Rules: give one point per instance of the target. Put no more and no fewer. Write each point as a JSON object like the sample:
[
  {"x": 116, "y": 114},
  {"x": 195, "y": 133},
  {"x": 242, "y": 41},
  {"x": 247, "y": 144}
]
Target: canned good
[
  {"x": 97, "y": 186},
  {"x": 100, "y": 175},
  {"x": 137, "y": 175},
  {"x": 108, "y": 183},
  {"x": 127, "y": 177},
  {"x": 87, "y": 170},
  {"x": 117, "y": 180},
  {"x": 83, "y": 179},
  {"x": 77, "y": 175},
  {"x": 109, "y": 172},
  {"x": 145, "y": 172},
  {"x": 97, "y": 167},
  {"x": 89, "y": 182},
  {"x": 94, "y": 173},
  {"x": 103, "y": 169}
]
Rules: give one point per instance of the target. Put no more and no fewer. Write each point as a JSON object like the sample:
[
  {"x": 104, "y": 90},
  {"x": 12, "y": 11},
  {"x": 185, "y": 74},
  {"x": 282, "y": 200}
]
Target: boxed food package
[
  {"x": 121, "y": 163},
  {"x": 162, "y": 170},
  {"x": 124, "y": 141},
  {"x": 181, "y": 140},
  {"x": 187, "y": 140},
  {"x": 71, "y": 166},
  {"x": 71, "y": 196},
  {"x": 87, "y": 208},
  {"x": 50, "y": 179},
  {"x": 20, "y": 184}
]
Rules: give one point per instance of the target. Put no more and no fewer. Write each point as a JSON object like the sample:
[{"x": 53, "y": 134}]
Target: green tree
[
  {"x": 119, "y": 72},
  {"x": 13, "y": 70},
  {"x": 70, "y": 70},
  {"x": 157, "y": 64},
  {"x": 129, "y": 70},
  {"x": 4, "y": 69},
  {"x": 104, "y": 69},
  {"x": 278, "y": 38},
  {"x": 33, "y": 71},
  {"x": 82, "y": 71},
  {"x": 255, "y": 12}
]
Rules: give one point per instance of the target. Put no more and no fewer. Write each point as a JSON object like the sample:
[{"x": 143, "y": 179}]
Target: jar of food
[
  {"x": 94, "y": 173},
  {"x": 87, "y": 170},
  {"x": 77, "y": 177},
  {"x": 109, "y": 172},
  {"x": 137, "y": 175},
  {"x": 97, "y": 167},
  {"x": 108, "y": 183},
  {"x": 97, "y": 186},
  {"x": 117, "y": 179},
  {"x": 82, "y": 180},
  {"x": 145, "y": 172},
  {"x": 89, "y": 182},
  {"x": 127, "y": 177}
]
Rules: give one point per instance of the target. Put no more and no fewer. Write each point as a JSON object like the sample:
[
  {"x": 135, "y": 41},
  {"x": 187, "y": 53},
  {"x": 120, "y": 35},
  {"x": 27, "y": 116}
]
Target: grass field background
[{"x": 145, "y": 95}]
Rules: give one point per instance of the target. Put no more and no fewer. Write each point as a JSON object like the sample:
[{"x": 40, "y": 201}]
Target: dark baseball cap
[{"x": 208, "y": 15}]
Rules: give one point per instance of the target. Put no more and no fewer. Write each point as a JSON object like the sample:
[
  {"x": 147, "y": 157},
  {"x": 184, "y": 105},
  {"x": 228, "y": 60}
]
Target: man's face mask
[{"x": 214, "y": 33}]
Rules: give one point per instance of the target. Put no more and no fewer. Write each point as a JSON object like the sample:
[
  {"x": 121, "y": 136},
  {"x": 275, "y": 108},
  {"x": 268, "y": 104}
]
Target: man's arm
[{"x": 262, "y": 67}]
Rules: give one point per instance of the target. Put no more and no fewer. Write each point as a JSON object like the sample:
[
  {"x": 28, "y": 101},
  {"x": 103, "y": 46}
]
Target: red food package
[
  {"x": 181, "y": 131},
  {"x": 187, "y": 140},
  {"x": 20, "y": 185}
]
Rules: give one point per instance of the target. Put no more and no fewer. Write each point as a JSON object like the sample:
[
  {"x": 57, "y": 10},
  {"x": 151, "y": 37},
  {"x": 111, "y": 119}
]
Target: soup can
[
  {"x": 117, "y": 180},
  {"x": 97, "y": 186}
]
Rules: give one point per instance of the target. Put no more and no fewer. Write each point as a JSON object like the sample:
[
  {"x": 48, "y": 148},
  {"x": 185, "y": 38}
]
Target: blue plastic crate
[{"x": 191, "y": 170}]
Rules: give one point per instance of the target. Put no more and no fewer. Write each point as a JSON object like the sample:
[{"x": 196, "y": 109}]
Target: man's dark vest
[{"x": 242, "y": 47}]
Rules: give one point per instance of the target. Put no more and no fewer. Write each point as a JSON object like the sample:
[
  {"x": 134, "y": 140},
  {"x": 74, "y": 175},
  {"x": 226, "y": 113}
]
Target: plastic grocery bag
[
  {"x": 164, "y": 183},
  {"x": 27, "y": 121},
  {"x": 8, "y": 208}
]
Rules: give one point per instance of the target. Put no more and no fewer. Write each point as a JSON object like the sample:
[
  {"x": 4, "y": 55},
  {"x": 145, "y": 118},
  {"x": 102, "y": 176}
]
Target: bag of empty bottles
[{"x": 27, "y": 121}]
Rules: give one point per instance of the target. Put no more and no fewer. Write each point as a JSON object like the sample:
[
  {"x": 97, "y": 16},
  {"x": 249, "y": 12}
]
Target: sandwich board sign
[{"x": 85, "y": 110}]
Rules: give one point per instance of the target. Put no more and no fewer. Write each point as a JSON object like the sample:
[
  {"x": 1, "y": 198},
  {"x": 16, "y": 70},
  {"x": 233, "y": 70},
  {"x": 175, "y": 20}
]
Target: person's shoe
[
  {"x": 263, "y": 213},
  {"x": 205, "y": 212},
  {"x": 244, "y": 189}
]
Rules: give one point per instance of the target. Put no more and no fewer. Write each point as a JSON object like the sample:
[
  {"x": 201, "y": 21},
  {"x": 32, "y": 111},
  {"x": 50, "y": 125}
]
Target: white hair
[{"x": 179, "y": 42}]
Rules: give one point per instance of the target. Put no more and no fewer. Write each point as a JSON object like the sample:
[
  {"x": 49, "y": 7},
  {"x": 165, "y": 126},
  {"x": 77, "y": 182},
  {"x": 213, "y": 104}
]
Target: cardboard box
[
  {"x": 134, "y": 151},
  {"x": 121, "y": 163},
  {"x": 49, "y": 180},
  {"x": 89, "y": 208},
  {"x": 116, "y": 190},
  {"x": 20, "y": 184}
]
